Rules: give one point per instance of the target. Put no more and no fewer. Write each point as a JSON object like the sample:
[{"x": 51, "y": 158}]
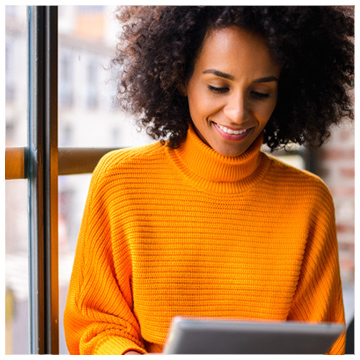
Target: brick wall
[{"x": 336, "y": 166}]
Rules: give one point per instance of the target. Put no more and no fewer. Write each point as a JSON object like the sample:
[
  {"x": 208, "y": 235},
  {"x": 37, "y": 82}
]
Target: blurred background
[{"x": 88, "y": 117}]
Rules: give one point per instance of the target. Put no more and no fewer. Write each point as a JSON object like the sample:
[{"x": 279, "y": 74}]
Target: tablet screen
[{"x": 212, "y": 336}]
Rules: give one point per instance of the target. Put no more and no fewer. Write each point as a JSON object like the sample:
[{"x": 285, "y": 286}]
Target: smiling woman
[
  {"x": 233, "y": 90},
  {"x": 203, "y": 223}
]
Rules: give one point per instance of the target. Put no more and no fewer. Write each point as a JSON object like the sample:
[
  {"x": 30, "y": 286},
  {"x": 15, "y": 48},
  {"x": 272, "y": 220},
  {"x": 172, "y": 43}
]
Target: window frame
[{"x": 42, "y": 176}]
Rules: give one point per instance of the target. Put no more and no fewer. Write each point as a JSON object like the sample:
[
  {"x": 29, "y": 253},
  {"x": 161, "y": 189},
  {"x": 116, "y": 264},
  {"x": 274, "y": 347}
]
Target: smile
[{"x": 230, "y": 134}]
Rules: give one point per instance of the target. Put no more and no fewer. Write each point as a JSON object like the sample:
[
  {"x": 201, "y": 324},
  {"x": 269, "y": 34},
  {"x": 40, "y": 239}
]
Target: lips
[
  {"x": 230, "y": 131},
  {"x": 231, "y": 134}
]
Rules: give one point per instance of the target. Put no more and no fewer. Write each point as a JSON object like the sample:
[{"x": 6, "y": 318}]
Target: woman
[{"x": 202, "y": 223}]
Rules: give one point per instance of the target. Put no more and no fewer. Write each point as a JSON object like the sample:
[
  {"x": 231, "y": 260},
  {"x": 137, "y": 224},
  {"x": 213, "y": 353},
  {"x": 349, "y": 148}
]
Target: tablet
[{"x": 216, "y": 336}]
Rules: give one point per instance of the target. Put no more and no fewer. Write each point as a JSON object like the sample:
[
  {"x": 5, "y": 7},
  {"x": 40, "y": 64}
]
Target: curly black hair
[{"x": 314, "y": 45}]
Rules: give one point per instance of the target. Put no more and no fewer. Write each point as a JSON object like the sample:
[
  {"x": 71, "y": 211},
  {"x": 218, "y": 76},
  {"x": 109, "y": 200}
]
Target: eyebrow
[
  {"x": 230, "y": 77},
  {"x": 219, "y": 73},
  {"x": 267, "y": 79}
]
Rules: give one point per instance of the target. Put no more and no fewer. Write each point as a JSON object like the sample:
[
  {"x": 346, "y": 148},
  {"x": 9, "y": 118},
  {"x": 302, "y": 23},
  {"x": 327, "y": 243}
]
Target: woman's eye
[
  {"x": 260, "y": 95},
  {"x": 219, "y": 90}
]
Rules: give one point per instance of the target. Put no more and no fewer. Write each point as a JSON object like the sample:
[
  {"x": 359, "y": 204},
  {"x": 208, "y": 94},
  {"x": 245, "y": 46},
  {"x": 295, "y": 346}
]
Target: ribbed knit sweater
[{"x": 190, "y": 232}]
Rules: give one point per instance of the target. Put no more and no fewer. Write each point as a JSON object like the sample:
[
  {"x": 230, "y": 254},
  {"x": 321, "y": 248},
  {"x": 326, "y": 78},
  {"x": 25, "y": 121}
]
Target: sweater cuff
[{"x": 115, "y": 345}]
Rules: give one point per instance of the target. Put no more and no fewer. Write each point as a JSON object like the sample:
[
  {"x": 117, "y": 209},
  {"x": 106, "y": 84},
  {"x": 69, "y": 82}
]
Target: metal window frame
[{"x": 42, "y": 173}]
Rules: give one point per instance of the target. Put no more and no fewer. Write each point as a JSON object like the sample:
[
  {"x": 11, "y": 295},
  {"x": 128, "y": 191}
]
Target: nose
[{"x": 236, "y": 109}]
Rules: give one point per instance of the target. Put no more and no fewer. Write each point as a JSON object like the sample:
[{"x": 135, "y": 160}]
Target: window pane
[
  {"x": 16, "y": 75},
  {"x": 16, "y": 191},
  {"x": 16, "y": 267},
  {"x": 87, "y": 117}
]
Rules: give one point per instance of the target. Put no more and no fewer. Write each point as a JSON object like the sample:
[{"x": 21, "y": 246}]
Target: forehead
[{"x": 233, "y": 48}]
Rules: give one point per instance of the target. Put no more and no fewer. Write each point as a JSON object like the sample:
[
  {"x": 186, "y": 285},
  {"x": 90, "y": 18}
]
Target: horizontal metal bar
[{"x": 71, "y": 161}]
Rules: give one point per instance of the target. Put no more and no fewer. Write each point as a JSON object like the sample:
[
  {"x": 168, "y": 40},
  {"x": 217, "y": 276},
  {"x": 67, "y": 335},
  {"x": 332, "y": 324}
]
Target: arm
[
  {"x": 98, "y": 316},
  {"x": 319, "y": 293}
]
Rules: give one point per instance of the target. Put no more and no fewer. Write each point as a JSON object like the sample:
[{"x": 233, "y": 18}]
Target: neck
[{"x": 215, "y": 171}]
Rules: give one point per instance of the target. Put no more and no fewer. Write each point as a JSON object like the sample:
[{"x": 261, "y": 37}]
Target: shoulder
[
  {"x": 119, "y": 159},
  {"x": 298, "y": 181},
  {"x": 119, "y": 166}
]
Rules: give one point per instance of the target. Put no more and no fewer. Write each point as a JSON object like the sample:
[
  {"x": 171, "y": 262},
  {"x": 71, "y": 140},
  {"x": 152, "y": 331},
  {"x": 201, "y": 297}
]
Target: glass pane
[
  {"x": 87, "y": 117},
  {"x": 16, "y": 191}
]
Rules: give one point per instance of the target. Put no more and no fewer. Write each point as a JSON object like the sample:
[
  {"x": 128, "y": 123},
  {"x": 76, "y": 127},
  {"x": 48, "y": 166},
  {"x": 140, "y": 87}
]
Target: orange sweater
[{"x": 191, "y": 232}]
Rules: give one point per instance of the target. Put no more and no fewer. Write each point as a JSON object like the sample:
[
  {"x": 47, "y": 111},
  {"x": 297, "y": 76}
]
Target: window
[
  {"x": 16, "y": 191},
  {"x": 92, "y": 84},
  {"x": 66, "y": 74},
  {"x": 69, "y": 117},
  {"x": 9, "y": 70}
]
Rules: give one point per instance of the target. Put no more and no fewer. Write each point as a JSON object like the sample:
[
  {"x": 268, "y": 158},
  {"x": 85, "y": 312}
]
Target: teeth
[{"x": 229, "y": 131}]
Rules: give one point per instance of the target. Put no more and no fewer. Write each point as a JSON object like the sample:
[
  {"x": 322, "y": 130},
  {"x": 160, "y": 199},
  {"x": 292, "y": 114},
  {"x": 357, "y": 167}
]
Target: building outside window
[
  {"x": 66, "y": 73},
  {"x": 92, "y": 83},
  {"x": 10, "y": 77},
  {"x": 16, "y": 191}
]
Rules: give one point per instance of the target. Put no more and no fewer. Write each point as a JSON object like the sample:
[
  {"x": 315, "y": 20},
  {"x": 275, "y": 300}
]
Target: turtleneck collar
[{"x": 213, "y": 171}]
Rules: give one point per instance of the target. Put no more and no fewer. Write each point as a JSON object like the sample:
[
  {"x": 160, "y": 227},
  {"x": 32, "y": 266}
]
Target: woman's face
[{"x": 233, "y": 90}]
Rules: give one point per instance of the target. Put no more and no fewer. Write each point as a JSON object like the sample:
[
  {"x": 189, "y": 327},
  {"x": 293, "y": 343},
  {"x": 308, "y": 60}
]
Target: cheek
[
  {"x": 264, "y": 112},
  {"x": 200, "y": 105}
]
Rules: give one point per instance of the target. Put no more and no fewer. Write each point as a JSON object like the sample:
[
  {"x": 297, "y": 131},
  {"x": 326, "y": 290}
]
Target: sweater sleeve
[
  {"x": 98, "y": 318},
  {"x": 318, "y": 296}
]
